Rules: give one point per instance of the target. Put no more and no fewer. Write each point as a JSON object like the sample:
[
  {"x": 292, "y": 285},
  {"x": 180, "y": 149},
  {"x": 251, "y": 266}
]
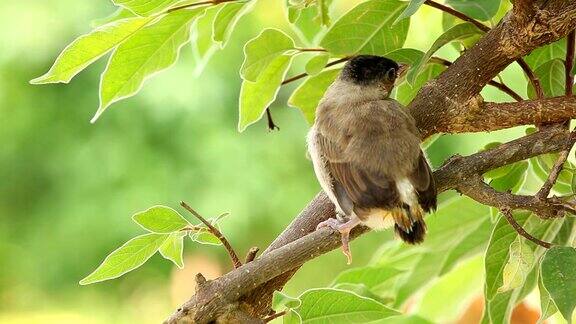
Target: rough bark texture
[{"x": 449, "y": 104}]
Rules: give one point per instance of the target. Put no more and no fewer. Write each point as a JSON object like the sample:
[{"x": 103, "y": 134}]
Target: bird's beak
[{"x": 402, "y": 70}]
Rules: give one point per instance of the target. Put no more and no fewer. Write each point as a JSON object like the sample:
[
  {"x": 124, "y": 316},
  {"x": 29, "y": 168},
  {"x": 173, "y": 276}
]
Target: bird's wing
[
  {"x": 353, "y": 185},
  {"x": 366, "y": 153},
  {"x": 422, "y": 179}
]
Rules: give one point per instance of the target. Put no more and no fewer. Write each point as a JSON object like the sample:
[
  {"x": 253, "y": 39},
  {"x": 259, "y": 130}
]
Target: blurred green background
[{"x": 68, "y": 188}]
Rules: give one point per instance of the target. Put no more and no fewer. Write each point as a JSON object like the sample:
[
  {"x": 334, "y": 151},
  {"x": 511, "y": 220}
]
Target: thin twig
[
  {"x": 457, "y": 14},
  {"x": 569, "y": 63},
  {"x": 271, "y": 125},
  {"x": 310, "y": 49},
  {"x": 553, "y": 176},
  {"x": 251, "y": 255},
  {"x": 510, "y": 218},
  {"x": 532, "y": 77},
  {"x": 274, "y": 316},
  {"x": 525, "y": 67},
  {"x": 499, "y": 85},
  {"x": 303, "y": 75},
  {"x": 196, "y": 4},
  {"x": 233, "y": 256}
]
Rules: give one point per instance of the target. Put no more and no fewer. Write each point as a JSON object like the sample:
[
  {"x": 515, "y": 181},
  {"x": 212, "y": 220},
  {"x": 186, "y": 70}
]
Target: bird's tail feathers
[{"x": 412, "y": 228}]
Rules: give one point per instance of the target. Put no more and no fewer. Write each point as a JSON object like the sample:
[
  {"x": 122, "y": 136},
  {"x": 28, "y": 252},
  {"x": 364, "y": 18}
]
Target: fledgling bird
[{"x": 365, "y": 148}]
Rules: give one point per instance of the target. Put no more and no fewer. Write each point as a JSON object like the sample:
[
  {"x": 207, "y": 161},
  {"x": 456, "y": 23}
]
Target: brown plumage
[{"x": 366, "y": 153}]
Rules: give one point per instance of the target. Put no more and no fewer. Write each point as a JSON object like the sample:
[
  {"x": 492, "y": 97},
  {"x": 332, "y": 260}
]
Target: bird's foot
[{"x": 344, "y": 229}]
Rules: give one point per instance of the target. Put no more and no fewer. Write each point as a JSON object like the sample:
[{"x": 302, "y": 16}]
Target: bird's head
[{"x": 373, "y": 71}]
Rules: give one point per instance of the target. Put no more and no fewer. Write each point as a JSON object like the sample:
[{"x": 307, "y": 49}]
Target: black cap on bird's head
[{"x": 371, "y": 69}]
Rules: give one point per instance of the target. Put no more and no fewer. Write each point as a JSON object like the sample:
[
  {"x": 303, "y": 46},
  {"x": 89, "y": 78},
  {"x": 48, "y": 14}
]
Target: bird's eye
[{"x": 391, "y": 74}]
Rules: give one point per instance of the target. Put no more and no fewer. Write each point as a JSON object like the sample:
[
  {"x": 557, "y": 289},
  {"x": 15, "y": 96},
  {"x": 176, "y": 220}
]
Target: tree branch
[
  {"x": 233, "y": 256},
  {"x": 525, "y": 67},
  {"x": 569, "y": 62},
  {"x": 450, "y": 99},
  {"x": 510, "y": 218},
  {"x": 498, "y": 85},
  {"x": 489, "y": 116}
]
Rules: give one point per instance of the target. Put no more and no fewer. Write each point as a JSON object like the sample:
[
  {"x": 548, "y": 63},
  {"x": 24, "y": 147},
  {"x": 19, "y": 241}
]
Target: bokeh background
[{"x": 69, "y": 188}]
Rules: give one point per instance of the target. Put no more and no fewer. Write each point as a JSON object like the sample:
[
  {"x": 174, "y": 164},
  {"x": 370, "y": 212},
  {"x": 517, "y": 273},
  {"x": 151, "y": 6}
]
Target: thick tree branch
[
  {"x": 447, "y": 104},
  {"x": 488, "y": 116},
  {"x": 454, "y": 93}
]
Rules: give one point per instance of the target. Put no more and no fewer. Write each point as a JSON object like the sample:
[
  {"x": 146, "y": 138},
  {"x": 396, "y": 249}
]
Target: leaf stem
[
  {"x": 196, "y": 4},
  {"x": 510, "y": 218},
  {"x": 457, "y": 14},
  {"x": 310, "y": 49},
  {"x": 233, "y": 256},
  {"x": 525, "y": 67},
  {"x": 303, "y": 75},
  {"x": 274, "y": 316}
]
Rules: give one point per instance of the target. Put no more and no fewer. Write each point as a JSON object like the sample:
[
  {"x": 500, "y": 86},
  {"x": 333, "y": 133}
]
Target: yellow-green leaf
[
  {"x": 520, "y": 262},
  {"x": 145, "y": 7},
  {"x": 255, "y": 97},
  {"x": 160, "y": 219},
  {"x": 307, "y": 96},
  {"x": 227, "y": 18},
  {"x": 262, "y": 50},
  {"x": 88, "y": 48},
  {"x": 148, "y": 51},
  {"x": 317, "y": 63},
  {"x": 173, "y": 248},
  {"x": 128, "y": 257},
  {"x": 368, "y": 29}
]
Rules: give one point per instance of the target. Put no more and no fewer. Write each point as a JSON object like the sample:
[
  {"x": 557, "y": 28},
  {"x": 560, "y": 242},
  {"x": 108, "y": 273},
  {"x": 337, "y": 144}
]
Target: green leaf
[
  {"x": 281, "y": 301},
  {"x": 499, "y": 306},
  {"x": 449, "y": 21},
  {"x": 161, "y": 219},
  {"x": 203, "y": 47},
  {"x": 339, "y": 306},
  {"x": 307, "y": 96},
  {"x": 145, "y": 7},
  {"x": 406, "y": 92},
  {"x": 88, "y": 48},
  {"x": 305, "y": 24},
  {"x": 449, "y": 240},
  {"x": 126, "y": 258},
  {"x": 411, "y": 9},
  {"x": 205, "y": 237},
  {"x": 323, "y": 12},
  {"x": 173, "y": 248},
  {"x": 513, "y": 179},
  {"x": 552, "y": 79},
  {"x": 227, "y": 18},
  {"x": 519, "y": 265},
  {"x": 368, "y": 29},
  {"x": 372, "y": 277},
  {"x": 457, "y": 32},
  {"x": 547, "y": 306},
  {"x": 317, "y": 63},
  {"x": 478, "y": 9},
  {"x": 559, "y": 278},
  {"x": 544, "y": 54},
  {"x": 408, "y": 56},
  {"x": 262, "y": 50},
  {"x": 501, "y": 239},
  {"x": 148, "y": 51},
  {"x": 255, "y": 97},
  {"x": 119, "y": 14}
]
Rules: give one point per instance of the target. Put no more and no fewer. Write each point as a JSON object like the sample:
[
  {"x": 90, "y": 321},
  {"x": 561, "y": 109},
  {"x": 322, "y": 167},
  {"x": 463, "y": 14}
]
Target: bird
[{"x": 366, "y": 154}]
